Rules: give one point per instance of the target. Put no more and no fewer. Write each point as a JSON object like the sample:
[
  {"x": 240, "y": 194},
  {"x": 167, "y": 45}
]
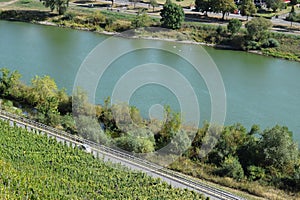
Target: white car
[{"x": 86, "y": 148}]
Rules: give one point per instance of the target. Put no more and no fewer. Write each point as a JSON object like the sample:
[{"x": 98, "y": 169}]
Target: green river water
[{"x": 259, "y": 90}]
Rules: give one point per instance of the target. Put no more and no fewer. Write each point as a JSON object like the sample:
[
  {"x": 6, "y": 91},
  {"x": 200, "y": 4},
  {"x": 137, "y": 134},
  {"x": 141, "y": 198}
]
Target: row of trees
[
  {"x": 270, "y": 155},
  {"x": 121, "y": 124},
  {"x": 225, "y": 6}
]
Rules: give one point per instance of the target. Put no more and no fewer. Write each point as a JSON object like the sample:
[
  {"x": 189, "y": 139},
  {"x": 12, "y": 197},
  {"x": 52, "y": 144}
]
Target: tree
[
  {"x": 231, "y": 167},
  {"x": 8, "y": 80},
  {"x": 60, "y": 5},
  {"x": 223, "y": 6},
  {"x": 153, "y": 3},
  {"x": 248, "y": 8},
  {"x": 292, "y": 14},
  {"x": 140, "y": 20},
  {"x": 234, "y": 26},
  {"x": 274, "y": 4},
  {"x": 172, "y": 15},
  {"x": 89, "y": 128},
  {"x": 140, "y": 140},
  {"x": 257, "y": 28},
  {"x": 171, "y": 126},
  {"x": 203, "y": 5},
  {"x": 278, "y": 148},
  {"x": 43, "y": 95}
]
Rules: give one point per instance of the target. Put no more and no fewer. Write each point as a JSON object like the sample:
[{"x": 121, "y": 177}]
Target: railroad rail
[{"x": 123, "y": 157}]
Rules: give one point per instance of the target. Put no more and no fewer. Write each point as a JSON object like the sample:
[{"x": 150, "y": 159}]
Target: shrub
[
  {"x": 252, "y": 45},
  {"x": 234, "y": 26},
  {"x": 69, "y": 16},
  {"x": 270, "y": 43},
  {"x": 232, "y": 168}
]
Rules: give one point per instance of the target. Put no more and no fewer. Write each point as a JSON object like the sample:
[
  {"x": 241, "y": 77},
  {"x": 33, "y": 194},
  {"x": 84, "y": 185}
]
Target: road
[
  {"x": 280, "y": 21},
  {"x": 173, "y": 178}
]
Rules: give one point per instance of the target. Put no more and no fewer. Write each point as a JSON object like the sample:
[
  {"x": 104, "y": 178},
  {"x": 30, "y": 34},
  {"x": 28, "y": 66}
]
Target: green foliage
[
  {"x": 278, "y": 148},
  {"x": 223, "y": 6},
  {"x": 270, "y": 43},
  {"x": 180, "y": 142},
  {"x": 230, "y": 139},
  {"x": 172, "y": 15},
  {"x": 8, "y": 82},
  {"x": 137, "y": 141},
  {"x": 231, "y": 167},
  {"x": 96, "y": 18},
  {"x": 255, "y": 173},
  {"x": 248, "y": 8},
  {"x": 203, "y": 5},
  {"x": 140, "y": 20},
  {"x": 43, "y": 95},
  {"x": 37, "y": 167},
  {"x": 234, "y": 26},
  {"x": 81, "y": 104},
  {"x": 89, "y": 128},
  {"x": 153, "y": 3},
  {"x": 274, "y": 4},
  {"x": 171, "y": 126},
  {"x": 69, "y": 16},
  {"x": 60, "y": 5},
  {"x": 257, "y": 29}
]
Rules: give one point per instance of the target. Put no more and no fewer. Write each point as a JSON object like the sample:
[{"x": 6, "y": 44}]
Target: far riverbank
[{"x": 115, "y": 24}]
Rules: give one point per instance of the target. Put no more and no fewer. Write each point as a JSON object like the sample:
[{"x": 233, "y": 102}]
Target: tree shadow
[
  {"x": 26, "y": 15},
  {"x": 203, "y": 18}
]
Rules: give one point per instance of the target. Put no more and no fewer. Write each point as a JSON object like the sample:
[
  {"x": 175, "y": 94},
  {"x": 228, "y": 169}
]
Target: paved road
[{"x": 280, "y": 21}]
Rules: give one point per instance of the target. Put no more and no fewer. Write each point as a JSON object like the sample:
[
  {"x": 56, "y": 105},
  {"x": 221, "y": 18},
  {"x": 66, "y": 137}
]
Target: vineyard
[{"x": 34, "y": 166}]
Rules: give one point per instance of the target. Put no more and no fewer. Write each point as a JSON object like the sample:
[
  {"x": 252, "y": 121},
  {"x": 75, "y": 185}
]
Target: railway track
[{"x": 174, "y": 178}]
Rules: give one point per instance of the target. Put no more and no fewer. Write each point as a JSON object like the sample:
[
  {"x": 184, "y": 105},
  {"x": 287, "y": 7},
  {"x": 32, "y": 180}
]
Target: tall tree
[
  {"x": 43, "y": 94},
  {"x": 60, "y": 5},
  {"x": 278, "y": 148},
  {"x": 203, "y": 5},
  {"x": 172, "y": 15},
  {"x": 274, "y": 4},
  {"x": 153, "y": 3},
  {"x": 234, "y": 26},
  {"x": 248, "y": 8},
  {"x": 224, "y": 6},
  {"x": 258, "y": 28},
  {"x": 8, "y": 80}
]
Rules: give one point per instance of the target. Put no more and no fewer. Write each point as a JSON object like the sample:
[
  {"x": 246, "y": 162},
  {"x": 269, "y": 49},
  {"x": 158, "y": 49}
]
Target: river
[{"x": 259, "y": 90}]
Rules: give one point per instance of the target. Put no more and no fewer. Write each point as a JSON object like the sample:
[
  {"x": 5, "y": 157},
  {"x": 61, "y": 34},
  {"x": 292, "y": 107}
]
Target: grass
[
  {"x": 248, "y": 190},
  {"x": 27, "y": 5},
  {"x": 183, "y": 3},
  {"x": 4, "y": 1},
  {"x": 289, "y": 47}
]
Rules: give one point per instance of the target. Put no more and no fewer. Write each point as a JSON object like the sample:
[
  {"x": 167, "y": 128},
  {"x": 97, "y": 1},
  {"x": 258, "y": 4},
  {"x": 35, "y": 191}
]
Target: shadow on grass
[
  {"x": 203, "y": 18},
  {"x": 26, "y": 15}
]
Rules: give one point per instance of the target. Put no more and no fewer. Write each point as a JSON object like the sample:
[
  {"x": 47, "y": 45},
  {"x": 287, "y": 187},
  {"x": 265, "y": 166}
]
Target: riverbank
[
  {"x": 174, "y": 36},
  {"x": 225, "y": 164},
  {"x": 115, "y": 23}
]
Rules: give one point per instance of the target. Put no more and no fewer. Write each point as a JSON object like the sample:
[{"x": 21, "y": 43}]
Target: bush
[
  {"x": 234, "y": 26},
  {"x": 255, "y": 173},
  {"x": 69, "y": 16},
  {"x": 270, "y": 43},
  {"x": 252, "y": 45},
  {"x": 232, "y": 168}
]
